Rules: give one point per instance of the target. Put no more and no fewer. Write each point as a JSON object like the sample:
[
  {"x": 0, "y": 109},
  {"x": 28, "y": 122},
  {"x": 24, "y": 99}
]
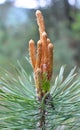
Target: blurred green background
[{"x": 18, "y": 25}]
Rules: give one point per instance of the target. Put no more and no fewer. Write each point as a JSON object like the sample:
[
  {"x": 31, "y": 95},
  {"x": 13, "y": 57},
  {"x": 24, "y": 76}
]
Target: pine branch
[
  {"x": 20, "y": 109},
  {"x": 38, "y": 106}
]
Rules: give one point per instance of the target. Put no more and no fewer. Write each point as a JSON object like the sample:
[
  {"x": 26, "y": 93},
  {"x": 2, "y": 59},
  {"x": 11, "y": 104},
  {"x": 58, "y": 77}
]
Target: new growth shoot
[{"x": 41, "y": 58}]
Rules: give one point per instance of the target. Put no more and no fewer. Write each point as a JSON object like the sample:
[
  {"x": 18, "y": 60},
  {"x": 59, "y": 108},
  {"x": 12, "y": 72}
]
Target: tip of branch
[
  {"x": 38, "y": 12},
  {"x": 50, "y": 46},
  {"x": 48, "y": 40},
  {"x": 44, "y": 34},
  {"x": 31, "y": 42},
  {"x": 39, "y": 42}
]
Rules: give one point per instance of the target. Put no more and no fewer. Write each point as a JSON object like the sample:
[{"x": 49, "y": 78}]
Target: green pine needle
[{"x": 20, "y": 109}]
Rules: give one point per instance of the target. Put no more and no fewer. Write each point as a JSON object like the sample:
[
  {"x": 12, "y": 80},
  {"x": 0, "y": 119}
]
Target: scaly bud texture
[{"x": 41, "y": 58}]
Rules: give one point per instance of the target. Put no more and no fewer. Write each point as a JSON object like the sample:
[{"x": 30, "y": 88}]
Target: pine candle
[{"x": 41, "y": 58}]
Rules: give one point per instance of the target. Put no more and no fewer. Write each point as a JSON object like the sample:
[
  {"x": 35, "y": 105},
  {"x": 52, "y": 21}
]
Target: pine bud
[
  {"x": 45, "y": 51},
  {"x": 32, "y": 52},
  {"x": 39, "y": 54},
  {"x": 40, "y": 22},
  {"x": 50, "y": 60},
  {"x": 48, "y": 41},
  {"x": 42, "y": 60}
]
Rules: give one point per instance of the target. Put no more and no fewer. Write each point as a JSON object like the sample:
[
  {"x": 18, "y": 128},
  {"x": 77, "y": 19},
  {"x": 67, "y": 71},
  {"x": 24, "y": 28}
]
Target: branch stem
[
  {"x": 42, "y": 122},
  {"x": 43, "y": 111}
]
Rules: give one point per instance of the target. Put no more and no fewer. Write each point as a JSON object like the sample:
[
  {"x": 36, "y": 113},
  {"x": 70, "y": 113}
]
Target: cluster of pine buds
[{"x": 41, "y": 56}]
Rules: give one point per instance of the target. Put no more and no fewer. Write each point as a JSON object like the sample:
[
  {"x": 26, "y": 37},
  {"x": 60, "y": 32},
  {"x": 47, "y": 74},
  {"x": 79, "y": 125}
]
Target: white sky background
[
  {"x": 2, "y": 1},
  {"x": 34, "y": 4},
  {"x": 31, "y": 3},
  {"x": 26, "y": 3}
]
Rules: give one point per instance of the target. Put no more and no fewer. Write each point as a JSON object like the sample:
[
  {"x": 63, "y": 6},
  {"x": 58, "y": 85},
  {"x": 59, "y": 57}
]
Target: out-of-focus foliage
[
  {"x": 76, "y": 25},
  {"x": 18, "y": 25}
]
